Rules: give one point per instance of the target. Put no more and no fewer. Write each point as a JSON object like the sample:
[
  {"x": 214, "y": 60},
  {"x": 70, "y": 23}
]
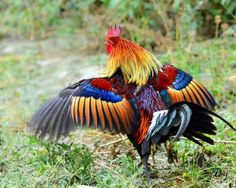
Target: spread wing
[
  {"x": 93, "y": 103},
  {"x": 176, "y": 86}
]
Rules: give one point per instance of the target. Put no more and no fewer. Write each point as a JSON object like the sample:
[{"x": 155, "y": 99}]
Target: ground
[{"x": 33, "y": 71}]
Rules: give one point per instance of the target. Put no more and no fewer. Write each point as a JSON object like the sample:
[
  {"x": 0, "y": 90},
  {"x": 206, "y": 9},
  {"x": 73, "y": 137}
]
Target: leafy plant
[{"x": 31, "y": 18}]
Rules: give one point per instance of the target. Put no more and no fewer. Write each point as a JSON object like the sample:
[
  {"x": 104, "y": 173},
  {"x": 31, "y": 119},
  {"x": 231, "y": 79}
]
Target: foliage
[
  {"x": 176, "y": 19},
  {"x": 28, "y": 162},
  {"x": 30, "y": 17}
]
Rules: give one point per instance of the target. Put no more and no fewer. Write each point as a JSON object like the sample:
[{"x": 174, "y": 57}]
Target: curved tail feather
[{"x": 182, "y": 119}]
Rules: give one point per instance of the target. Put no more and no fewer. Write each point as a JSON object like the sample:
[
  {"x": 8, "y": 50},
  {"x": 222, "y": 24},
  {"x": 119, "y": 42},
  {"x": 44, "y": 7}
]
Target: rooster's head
[{"x": 136, "y": 64}]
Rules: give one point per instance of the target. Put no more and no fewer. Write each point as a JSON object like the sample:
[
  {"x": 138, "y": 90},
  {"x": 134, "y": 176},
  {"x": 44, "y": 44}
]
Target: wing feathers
[
  {"x": 191, "y": 92},
  {"x": 94, "y": 111},
  {"x": 186, "y": 95},
  {"x": 181, "y": 87},
  {"x": 59, "y": 119},
  {"x": 114, "y": 115},
  {"x": 69, "y": 124},
  {"x": 84, "y": 104},
  {"x": 201, "y": 96},
  {"x": 40, "y": 115},
  {"x": 81, "y": 110},
  {"x": 120, "y": 111},
  {"x": 207, "y": 95},
  {"x": 41, "y": 111},
  {"x": 63, "y": 121},
  {"x": 87, "y": 111},
  {"x": 100, "y": 113},
  {"x": 117, "y": 116},
  {"x": 75, "y": 106},
  {"x": 107, "y": 114},
  {"x": 50, "y": 116},
  {"x": 194, "y": 93}
]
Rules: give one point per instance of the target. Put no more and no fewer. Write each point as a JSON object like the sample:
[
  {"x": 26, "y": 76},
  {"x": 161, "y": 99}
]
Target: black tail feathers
[
  {"x": 202, "y": 124},
  {"x": 182, "y": 119}
]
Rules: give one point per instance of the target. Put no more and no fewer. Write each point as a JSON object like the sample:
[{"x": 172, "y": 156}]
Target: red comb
[{"x": 114, "y": 31}]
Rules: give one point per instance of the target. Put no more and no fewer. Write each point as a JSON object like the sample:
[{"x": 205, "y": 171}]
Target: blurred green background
[
  {"x": 45, "y": 45},
  {"x": 144, "y": 21}
]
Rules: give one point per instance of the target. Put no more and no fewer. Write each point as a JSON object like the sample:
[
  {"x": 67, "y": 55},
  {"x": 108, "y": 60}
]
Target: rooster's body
[{"x": 137, "y": 97}]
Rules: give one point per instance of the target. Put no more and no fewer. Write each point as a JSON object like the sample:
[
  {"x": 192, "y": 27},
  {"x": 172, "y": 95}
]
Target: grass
[
  {"x": 43, "y": 164},
  {"x": 26, "y": 82}
]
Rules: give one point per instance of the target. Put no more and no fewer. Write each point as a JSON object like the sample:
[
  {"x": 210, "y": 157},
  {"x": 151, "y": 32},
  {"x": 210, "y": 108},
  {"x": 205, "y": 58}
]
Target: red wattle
[{"x": 109, "y": 48}]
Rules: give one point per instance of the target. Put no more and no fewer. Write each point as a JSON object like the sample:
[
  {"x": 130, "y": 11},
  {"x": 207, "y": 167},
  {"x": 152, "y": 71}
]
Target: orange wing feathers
[
  {"x": 176, "y": 86},
  {"x": 105, "y": 115},
  {"x": 91, "y": 103}
]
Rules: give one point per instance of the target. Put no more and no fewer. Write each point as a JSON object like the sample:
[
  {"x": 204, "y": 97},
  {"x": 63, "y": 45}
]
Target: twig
[
  {"x": 225, "y": 141},
  {"x": 182, "y": 138},
  {"x": 216, "y": 141},
  {"x": 113, "y": 142},
  {"x": 174, "y": 178},
  {"x": 102, "y": 134},
  {"x": 105, "y": 166}
]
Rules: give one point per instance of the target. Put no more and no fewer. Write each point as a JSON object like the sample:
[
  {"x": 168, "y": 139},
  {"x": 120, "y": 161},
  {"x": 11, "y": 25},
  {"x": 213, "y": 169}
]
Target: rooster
[{"x": 137, "y": 96}]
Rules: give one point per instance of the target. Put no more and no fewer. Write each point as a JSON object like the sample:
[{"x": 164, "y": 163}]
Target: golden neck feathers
[{"x": 136, "y": 64}]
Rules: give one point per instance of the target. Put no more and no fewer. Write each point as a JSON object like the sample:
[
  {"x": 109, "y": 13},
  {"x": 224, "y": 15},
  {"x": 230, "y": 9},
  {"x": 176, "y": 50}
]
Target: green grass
[{"x": 27, "y": 162}]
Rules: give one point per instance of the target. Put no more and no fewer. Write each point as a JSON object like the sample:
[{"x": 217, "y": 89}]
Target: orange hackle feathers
[{"x": 136, "y": 63}]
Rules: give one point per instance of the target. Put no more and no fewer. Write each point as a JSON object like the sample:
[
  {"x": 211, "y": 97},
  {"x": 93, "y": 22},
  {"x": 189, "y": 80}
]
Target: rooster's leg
[
  {"x": 146, "y": 168},
  {"x": 171, "y": 152},
  {"x": 144, "y": 157}
]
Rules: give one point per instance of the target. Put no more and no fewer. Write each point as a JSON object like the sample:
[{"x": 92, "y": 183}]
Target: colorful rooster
[{"x": 137, "y": 96}]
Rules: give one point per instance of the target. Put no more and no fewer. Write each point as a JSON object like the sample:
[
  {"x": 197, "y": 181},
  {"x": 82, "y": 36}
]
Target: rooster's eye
[{"x": 107, "y": 42}]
